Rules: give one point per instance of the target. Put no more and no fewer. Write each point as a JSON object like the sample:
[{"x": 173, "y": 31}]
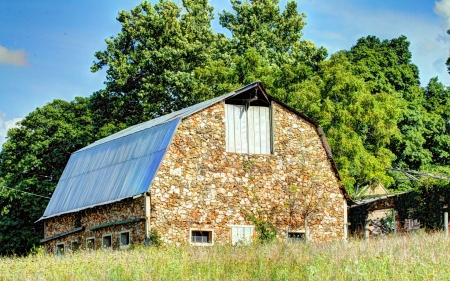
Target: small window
[
  {"x": 241, "y": 235},
  {"x": 90, "y": 244},
  {"x": 295, "y": 237},
  {"x": 125, "y": 239},
  {"x": 202, "y": 237},
  {"x": 60, "y": 249},
  {"x": 75, "y": 246},
  {"x": 107, "y": 242}
]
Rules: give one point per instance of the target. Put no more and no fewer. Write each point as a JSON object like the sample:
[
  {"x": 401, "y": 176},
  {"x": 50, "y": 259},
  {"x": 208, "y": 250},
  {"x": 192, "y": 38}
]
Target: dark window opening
[
  {"x": 60, "y": 250},
  {"x": 125, "y": 239},
  {"x": 107, "y": 242},
  {"x": 199, "y": 236},
  {"x": 295, "y": 237}
]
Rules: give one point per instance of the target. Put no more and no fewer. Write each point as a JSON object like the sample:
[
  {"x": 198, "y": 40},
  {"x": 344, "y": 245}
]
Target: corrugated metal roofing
[
  {"x": 121, "y": 165},
  {"x": 124, "y": 164},
  {"x": 115, "y": 170},
  {"x": 183, "y": 113}
]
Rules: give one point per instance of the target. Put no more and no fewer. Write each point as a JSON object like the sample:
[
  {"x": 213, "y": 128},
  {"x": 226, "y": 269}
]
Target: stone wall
[
  {"x": 201, "y": 186},
  {"x": 123, "y": 210}
]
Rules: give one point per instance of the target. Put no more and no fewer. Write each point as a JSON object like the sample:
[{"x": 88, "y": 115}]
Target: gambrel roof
[{"x": 124, "y": 164}]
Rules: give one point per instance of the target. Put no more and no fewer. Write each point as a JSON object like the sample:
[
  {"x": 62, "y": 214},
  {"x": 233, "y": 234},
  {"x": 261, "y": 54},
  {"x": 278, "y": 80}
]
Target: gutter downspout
[
  {"x": 147, "y": 218},
  {"x": 345, "y": 220}
]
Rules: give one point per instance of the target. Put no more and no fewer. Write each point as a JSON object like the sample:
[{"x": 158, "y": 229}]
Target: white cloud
[
  {"x": 5, "y": 125},
  {"x": 13, "y": 57},
  {"x": 443, "y": 9}
]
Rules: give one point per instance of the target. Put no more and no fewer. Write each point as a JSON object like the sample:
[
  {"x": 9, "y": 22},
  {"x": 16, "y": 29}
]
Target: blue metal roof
[
  {"x": 113, "y": 171},
  {"x": 121, "y": 165}
]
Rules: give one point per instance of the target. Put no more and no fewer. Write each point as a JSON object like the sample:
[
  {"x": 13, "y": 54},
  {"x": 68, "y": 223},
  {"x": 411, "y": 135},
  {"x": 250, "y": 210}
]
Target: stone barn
[{"x": 202, "y": 176}]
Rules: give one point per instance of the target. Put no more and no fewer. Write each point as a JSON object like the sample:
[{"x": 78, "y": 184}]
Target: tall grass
[{"x": 412, "y": 257}]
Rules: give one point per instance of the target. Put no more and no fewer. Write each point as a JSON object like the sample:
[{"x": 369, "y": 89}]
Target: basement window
[
  {"x": 201, "y": 237},
  {"x": 107, "y": 242},
  {"x": 124, "y": 239},
  {"x": 296, "y": 237},
  {"x": 90, "y": 244},
  {"x": 75, "y": 247},
  {"x": 60, "y": 249}
]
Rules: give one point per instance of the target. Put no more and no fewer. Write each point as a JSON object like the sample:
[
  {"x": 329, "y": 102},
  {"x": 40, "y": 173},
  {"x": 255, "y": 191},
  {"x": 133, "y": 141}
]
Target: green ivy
[{"x": 265, "y": 229}]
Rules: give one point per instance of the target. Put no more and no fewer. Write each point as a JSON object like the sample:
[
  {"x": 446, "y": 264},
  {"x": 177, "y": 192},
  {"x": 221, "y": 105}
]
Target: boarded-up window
[
  {"x": 241, "y": 235},
  {"x": 248, "y": 131}
]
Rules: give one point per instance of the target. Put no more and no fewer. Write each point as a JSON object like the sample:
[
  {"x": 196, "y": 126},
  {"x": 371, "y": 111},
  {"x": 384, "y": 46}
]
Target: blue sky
[{"x": 46, "y": 49}]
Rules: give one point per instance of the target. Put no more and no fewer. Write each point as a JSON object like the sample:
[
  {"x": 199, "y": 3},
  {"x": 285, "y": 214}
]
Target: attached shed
[{"x": 198, "y": 175}]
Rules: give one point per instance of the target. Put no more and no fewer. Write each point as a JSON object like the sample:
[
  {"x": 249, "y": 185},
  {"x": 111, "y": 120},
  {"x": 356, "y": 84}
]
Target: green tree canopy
[
  {"x": 150, "y": 64},
  {"x": 32, "y": 160}
]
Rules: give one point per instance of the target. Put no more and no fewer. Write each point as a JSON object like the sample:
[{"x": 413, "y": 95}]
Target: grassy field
[{"x": 411, "y": 257}]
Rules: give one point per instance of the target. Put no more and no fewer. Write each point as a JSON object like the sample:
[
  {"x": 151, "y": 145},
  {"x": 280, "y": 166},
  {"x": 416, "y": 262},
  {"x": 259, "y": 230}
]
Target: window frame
[
  {"x": 72, "y": 244},
  {"x": 111, "y": 240},
  {"x": 57, "y": 249},
  {"x": 296, "y": 239},
  {"x": 93, "y": 243},
  {"x": 240, "y": 240},
  {"x": 210, "y": 236},
  {"x": 129, "y": 239}
]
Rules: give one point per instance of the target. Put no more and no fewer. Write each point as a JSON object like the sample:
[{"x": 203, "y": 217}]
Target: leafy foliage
[
  {"x": 154, "y": 238},
  {"x": 151, "y": 62},
  {"x": 427, "y": 204},
  {"x": 368, "y": 99},
  {"x": 265, "y": 229},
  {"x": 32, "y": 160}
]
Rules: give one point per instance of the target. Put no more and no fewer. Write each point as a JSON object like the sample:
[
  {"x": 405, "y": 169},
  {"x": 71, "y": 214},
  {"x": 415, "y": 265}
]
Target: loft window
[
  {"x": 241, "y": 235},
  {"x": 249, "y": 123},
  {"x": 248, "y": 129}
]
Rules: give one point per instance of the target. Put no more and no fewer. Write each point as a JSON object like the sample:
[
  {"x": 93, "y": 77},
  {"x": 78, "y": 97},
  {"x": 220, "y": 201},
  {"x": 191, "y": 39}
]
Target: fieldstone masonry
[
  {"x": 202, "y": 186},
  {"x": 124, "y": 210}
]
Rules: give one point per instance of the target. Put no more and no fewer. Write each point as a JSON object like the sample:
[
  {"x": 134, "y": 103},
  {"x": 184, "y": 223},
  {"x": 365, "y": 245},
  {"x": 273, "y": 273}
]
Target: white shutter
[
  {"x": 259, "y": 129},
  {"x": 236, "y": 128},
  {"x": 241, "y": 234},
  {"x": 248, "y": 131}
]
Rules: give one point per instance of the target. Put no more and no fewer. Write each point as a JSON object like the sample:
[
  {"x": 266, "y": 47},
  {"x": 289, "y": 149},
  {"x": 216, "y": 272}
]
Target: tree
[
  {"x": 266, "y": 45},
  {"x": 371, "y": 105},
  {"x": 437, "y": 102},
  {"x": 32, "y": 160},
  {"x": 447, "y": 63},
  {"x": 359, "y": 123},
  {"x": 151, "y": 63}
]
